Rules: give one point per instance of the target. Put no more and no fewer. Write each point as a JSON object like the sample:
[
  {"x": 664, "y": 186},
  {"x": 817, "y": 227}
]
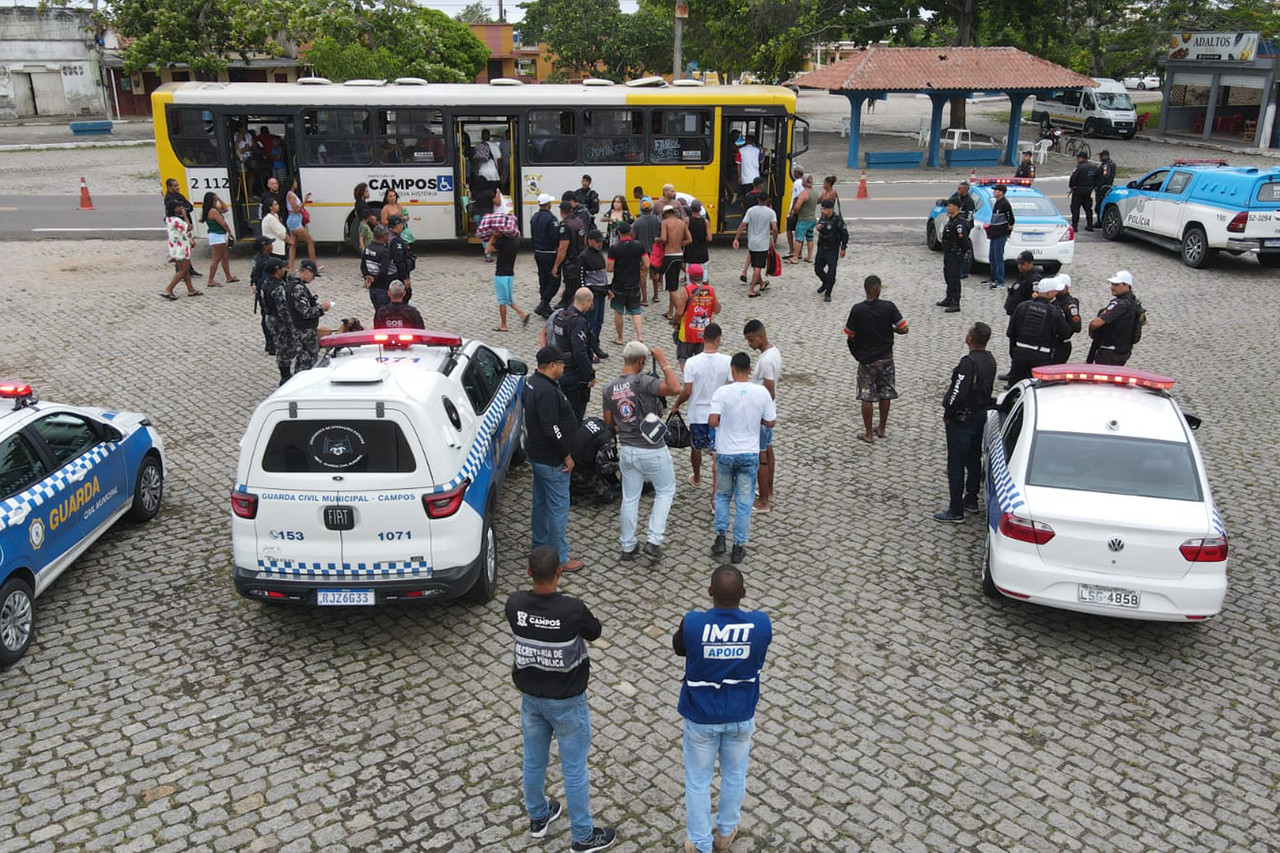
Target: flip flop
[
  {"x": 764, "y": 286},
  {"x": 879, "y": 432},
  {"x": 752, "y": 295},
  {"x": 196, "y": 293},
  {"x": 169, "y": 296},
  {"x": 742, "y": 278},
  {"x": 692, "y": 482},
  {"x": 500, "y": 329},
  {"x": 863, "y": 436},
  {"x": 232, "y": 280},
  {"x": 524, "y": 321},
  {"x": 214, "y": 284},
  {"x": 619, "y": 341}
]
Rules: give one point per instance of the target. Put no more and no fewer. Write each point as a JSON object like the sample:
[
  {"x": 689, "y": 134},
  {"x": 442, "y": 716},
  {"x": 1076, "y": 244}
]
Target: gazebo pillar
[
  {"x": 939, "y": 100},
  {"x": 856, "y": 100},
  {"x": 1016, "y": 100}
]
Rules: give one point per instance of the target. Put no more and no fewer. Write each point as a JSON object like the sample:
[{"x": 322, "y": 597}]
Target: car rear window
[
  {"x": 332, "y": 446},
  {"x": 1114, "y": 465},
  {"x": 1269, "y": 193},
  {"x": 1032, "y": 205}
]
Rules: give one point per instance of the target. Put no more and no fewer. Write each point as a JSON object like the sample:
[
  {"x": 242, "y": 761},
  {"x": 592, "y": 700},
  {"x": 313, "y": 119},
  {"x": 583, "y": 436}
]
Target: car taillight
[
  {"x": 1205, "y": 550},
  {"x": 1068, "y": 235},
  {"x": 1024, "y": 529},
  {"x": 445, "y": 504},
  {"x": 1236, "y": 225},
  {"x": 244, "y": 504}
]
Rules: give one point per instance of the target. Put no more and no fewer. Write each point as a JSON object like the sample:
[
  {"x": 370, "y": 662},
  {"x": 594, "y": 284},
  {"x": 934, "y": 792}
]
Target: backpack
[
  {"x": 482, "y": 153},
  {"x": 1139, "y": 319}
]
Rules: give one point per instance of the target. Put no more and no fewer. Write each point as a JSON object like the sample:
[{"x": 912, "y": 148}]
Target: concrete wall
[{"x": 48, "y": 65}]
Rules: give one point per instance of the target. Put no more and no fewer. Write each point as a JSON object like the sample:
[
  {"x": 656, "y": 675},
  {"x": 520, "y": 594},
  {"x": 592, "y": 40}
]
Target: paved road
[
  {"x": 113, "y": 217},
  {"x": 901, "y": 709}
]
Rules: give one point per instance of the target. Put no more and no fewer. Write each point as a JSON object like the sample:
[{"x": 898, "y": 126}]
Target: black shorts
[
  {"x": 672, "y": 266},
  {"x": 791, "y": 221},
  {"x": 684, "y": 351},
  {"x": 759, "y": 260}
]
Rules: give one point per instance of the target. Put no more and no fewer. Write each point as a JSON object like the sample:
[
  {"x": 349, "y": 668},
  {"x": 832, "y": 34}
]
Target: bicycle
[{"x": 1076, "y": 146}]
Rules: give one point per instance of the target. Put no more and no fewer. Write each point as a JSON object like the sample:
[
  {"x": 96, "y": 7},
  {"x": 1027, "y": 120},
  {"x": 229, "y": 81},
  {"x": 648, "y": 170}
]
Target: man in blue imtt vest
[{"x": 724, "y": 650}]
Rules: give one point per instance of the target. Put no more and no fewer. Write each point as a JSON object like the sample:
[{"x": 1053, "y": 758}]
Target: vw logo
[{"x": 1116, "y": 544}]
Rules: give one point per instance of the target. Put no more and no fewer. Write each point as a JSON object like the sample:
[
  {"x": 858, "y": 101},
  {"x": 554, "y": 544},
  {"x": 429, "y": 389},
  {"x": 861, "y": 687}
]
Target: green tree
[
  {"x": 475, "y": 13},
  {"x": 607, "y": 43}
]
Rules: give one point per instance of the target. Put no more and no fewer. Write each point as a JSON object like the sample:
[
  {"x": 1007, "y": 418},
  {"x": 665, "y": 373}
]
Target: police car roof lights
[
  {"x": 392, "y": 339},
  {"x": 1202, "y": 161},
  {"x": 20, "y": 392},
  {"x": 1102, "y": 375},
  {"x": 1003, "y": 182}
]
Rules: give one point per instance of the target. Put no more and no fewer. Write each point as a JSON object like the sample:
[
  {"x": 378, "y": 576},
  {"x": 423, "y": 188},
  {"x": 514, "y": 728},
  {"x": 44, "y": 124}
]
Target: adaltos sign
[{"x": 1208, "y": 47}]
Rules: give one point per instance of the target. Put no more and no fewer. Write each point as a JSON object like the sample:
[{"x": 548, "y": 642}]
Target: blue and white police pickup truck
[
  {"x": 67, "y": 473},
  {"x": 1200, "y": 207},
  {"x": 373, "y": 477}
]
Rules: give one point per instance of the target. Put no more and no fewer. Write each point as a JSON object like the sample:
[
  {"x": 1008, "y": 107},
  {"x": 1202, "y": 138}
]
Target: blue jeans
[
  {"x": 550, "y": 517},
  {"x": 702, "y": 743},
  {"x": 596, "y": 318},
  {"x": 638, "y": 464},
  {"x": 995, "y": 259},
  {"x": 570, "y": 721},
  {"x": 736, "y": 477}
]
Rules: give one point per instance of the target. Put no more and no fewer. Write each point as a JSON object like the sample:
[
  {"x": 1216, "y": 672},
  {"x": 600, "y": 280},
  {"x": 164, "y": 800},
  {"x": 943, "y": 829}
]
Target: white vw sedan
[{"x": 1097, "y": 499}]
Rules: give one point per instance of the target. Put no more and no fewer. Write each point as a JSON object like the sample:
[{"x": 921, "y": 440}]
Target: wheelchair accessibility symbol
[{"x": 444, "y": 183}]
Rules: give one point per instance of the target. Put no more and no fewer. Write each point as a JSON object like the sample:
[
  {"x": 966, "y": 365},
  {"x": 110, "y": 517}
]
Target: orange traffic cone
[
  {"x": 973, "y": 175},
  {"x": 86, "y": 203},
  {"x": 862, "y": 185}
]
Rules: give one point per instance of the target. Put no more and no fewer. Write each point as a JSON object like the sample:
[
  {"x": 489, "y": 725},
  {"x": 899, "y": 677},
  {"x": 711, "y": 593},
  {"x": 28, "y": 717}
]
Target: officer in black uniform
[
  {"x": 1106, "y": 179},
  {"x": 956, "y": 246},
  {"x": 1036, "y": 330},
  {"x": 1022, "y": 288},
  {"x": 1119, "y": 325},
  {"x": 273, "y": 276},
  {"x": 402, "y": 255},
  {"x": 964, "y": 411},
  {"x": 542, "y": 228},
  {"x": 571, "y": 239},
  {"x": 1026, "y": 169},
  {"x": 378, "y": 267},
  {"x": 1070, "y": 308},
  {"x": 305, "y": 311},
  {"x": 1081, "y": 184},
  {"x": 967, "y": 207},
  {"x": 571, "y": 334}
]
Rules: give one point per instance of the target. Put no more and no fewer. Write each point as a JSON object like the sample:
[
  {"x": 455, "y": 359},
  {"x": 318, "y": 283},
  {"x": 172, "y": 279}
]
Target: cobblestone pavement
[{"x": 901, "y": 709}]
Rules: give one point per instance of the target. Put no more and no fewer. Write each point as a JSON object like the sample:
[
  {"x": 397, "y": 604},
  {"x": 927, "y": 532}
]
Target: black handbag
[{"x": 678, "y": 434}]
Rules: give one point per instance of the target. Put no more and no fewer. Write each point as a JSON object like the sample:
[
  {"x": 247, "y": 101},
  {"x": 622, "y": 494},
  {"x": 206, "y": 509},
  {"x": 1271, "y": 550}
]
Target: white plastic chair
[
  {"x": 844, "y": 125},
  {"x": 1041, "y": 150}
]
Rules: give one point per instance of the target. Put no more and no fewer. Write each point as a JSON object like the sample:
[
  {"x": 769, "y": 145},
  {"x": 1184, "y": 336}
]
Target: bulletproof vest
[
  {"x": 300, "y": 321},
  {"x": 268, "y": 290},
  {"x": 560, "y": 330},
  {"x": 1038, "y": 327}
]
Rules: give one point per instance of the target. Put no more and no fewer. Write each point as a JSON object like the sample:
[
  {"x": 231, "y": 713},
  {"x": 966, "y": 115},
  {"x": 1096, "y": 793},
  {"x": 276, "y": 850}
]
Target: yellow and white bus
[{"x": 418, "y": 139}]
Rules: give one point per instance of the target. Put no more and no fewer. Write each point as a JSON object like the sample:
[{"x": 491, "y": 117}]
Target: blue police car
[
  {"x": 1039, "y": 227},
  {"x": 67, "y": 473}
]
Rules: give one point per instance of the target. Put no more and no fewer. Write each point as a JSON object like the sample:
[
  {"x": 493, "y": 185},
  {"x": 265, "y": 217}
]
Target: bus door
[
  {"x": 768, "y": 134},
  {"x": 260, "y": 146},
  {"x": 488, "y": 167}
]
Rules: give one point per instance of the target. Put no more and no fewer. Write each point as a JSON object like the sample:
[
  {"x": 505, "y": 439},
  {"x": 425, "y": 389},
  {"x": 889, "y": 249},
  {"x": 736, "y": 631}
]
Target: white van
[{"x": 1103, "y": 110}]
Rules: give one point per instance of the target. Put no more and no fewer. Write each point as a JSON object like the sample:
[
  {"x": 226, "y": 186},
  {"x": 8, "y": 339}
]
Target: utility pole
[
  {"x": 682, "y": 12},
  {"x": 502, "y": 15}
]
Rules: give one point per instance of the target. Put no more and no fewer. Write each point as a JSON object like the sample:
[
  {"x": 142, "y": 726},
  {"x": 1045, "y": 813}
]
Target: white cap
[
  {"x": 1064, "y": 281},
  {"x": 1122, "y": 277},
  {"x": 1048, "y": 284},
  {"x": 545, "y": 198}
]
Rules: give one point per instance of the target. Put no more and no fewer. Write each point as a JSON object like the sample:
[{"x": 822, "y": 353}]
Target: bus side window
[
  {"x": 553, "y": 137},
  {"x": 411, "y": 136},
  {"x": 337, "y": 137},
  {"x": 680, "y": 136},
  {"x": 192, "y": 135}
]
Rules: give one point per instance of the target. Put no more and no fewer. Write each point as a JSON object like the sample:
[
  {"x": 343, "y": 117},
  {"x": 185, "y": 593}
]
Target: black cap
[
  {"x": 594, "y": 234},
  {"x": 568, "y": 195},
  {"x": 393, "y": 221},
  {"x": 1082, "y": 156},
  {"x": 828, "y": 203},
  {"x": 309, "y": 265},
  {"x": 260, "y": 242},
  {"x": 549, "y": 355},
  {"x": 274, "y": 265},
  {"x": 1026, "y": 257}
]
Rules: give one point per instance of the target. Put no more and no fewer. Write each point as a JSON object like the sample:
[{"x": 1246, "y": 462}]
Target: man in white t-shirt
[
  {"x": 768, "y": 369},
  {"x": 761, "y": 225},
  {"x": 748, "y": 163},
  {"x": 740, "y": 411},
  {"x": 703, "y": 374}
]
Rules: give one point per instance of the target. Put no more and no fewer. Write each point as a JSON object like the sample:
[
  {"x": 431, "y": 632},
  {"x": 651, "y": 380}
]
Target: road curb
[{"x": 63, "y": 146}]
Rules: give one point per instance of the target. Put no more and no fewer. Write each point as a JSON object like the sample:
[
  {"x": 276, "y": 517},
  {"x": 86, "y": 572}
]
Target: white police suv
[
  {"x": 1097, "y": 498},
  {"x": 373, "y": 477},
  {"x": 1198, "y": 207},
  {"x": 1039, "y": 227},
  {"x": 67, "y": 473}
]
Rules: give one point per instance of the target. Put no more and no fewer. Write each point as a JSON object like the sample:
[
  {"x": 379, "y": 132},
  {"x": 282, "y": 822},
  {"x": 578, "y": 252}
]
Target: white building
[{"x": 48, "y": 64}]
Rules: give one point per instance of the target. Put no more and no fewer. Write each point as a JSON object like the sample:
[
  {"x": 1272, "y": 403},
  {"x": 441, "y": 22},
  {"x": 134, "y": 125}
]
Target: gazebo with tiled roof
[{"x": 942, "y": 73}]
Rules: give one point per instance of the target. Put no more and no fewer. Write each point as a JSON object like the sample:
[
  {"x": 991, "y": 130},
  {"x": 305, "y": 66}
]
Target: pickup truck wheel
[
  {"x": 1112, "y": 227},
  {"x": 486, "y": 584},
  {"x": 1195, "y": 248},
  {"x": 931, "y": 236},
  {"x": 17, "y": 620},
  {"x": 1269, "y": 259}
]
